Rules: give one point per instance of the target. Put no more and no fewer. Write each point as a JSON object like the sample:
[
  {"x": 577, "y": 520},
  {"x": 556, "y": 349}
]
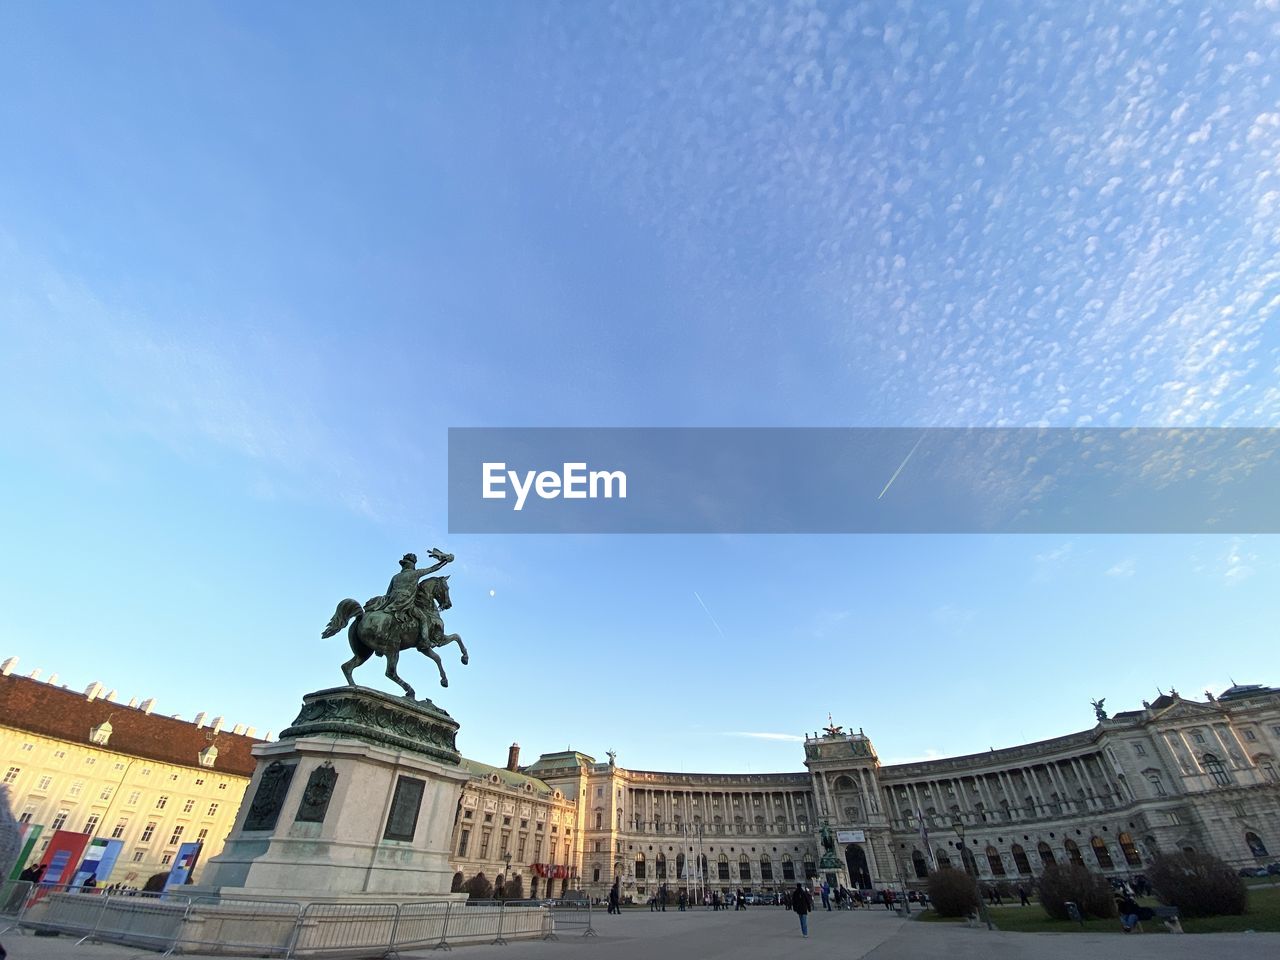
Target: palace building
[{"x": 1176, "y": 774}]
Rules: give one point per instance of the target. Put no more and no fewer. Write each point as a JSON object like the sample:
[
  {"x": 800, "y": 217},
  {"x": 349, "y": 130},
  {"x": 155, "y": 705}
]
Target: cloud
[
  {"x": 1125, "y": 568},
  {"x": 782, "y": 737},
  {"x": 1238, "y": 562}
]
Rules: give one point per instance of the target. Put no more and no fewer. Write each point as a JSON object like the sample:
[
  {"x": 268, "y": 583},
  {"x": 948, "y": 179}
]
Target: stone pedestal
[{"x": 356, "y": 799}]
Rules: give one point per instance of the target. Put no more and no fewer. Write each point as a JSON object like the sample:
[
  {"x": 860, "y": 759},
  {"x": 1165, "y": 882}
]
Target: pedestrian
[
  {"x": 802, "y": 903},
  {"x": 662, "y": 896},
  {"x": 1128, "y": 909},
  {"x": 1022, "y": 895},
  {"x": 614, "y": 899},
  {"x": 826, "y": 895}
]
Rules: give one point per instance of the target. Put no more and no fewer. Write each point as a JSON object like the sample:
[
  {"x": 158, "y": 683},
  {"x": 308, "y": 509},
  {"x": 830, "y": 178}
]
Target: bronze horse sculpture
[{"x": 383, "y": 633}]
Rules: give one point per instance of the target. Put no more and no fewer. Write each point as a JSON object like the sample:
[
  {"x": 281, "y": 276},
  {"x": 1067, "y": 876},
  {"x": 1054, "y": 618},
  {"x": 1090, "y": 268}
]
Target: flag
[{"x": 924, "y": 839}]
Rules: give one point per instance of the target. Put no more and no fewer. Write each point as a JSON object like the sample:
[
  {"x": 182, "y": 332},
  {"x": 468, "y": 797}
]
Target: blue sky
[{"x": 254, "y": 262}]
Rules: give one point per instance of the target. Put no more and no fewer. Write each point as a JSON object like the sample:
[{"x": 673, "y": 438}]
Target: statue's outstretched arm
[{"x": 441, "y": 557}]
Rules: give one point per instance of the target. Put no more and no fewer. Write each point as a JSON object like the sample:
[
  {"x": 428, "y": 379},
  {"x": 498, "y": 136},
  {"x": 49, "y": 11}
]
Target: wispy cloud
[
  {"x": 1125, "y": 568},
  {"x": 1238, "y": 562},
  {"x": 755, "y": 735},
  {"x": 714, "y": 623}
]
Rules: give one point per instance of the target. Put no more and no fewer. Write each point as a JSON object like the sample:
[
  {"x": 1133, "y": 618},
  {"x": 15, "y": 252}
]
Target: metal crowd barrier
[
  {"x": 287, "y": 929},
  {"x": 14, "y": 895},
  {"x": 571, "y": 914},
  {"x": 236, "y": 925}
]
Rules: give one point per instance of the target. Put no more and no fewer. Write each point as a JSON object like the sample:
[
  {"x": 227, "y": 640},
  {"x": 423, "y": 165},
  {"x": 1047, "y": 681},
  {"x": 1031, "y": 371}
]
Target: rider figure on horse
[{"x": 404, "y": 601}]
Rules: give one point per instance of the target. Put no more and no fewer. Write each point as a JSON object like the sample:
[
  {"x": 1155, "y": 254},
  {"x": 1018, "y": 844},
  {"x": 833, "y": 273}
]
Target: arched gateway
[{"x": 856, "y": 860}]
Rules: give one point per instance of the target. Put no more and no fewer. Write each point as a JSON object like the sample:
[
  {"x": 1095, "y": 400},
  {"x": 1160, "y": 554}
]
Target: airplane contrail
[
  {"x": 708, "y": 612},
  {"x": 899, "y": 470}
]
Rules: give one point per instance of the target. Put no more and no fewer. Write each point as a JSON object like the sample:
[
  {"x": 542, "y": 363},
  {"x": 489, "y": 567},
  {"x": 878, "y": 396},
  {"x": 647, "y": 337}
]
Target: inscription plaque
[{"x": 402, "y": 822}]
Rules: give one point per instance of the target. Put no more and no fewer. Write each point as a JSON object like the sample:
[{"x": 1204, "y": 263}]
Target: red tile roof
[{"x": 37, "y": 707}]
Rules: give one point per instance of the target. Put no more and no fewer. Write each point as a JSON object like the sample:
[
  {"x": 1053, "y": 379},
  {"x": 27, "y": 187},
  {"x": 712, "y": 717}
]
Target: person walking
[
  {"x": 614, "y": 899},
  {"x": 802, "y": 903},
  {"x": 826, "y": 895},
  {"x": 1022, "y": 895}
]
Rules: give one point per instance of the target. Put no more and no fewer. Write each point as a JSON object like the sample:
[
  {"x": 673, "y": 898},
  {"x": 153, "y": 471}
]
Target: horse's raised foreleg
[
  {"x": 393, "y": 657},
  {"x": 454, "y": 638}
]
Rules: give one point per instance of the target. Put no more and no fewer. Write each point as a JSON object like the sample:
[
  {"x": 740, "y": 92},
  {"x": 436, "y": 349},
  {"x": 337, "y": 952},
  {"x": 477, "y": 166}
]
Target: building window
[
  {"x": 177, "y": 835},
  {"x": 161, "y": 803},
  {"x": 118, "y": 830},
  {"x": 91, "y": 825},
  {"x": 462, "y": 842},
  {"x": 995, "y": 862},
  {"x": 213, "y": 809},
  {"x": 27, "y": 747},
  {"x": 1216, "y": 769},
  {"x": 106, "y": 793},
  {"x": 138, "y": 855},
  {"x": 188, "y": 806},
  {"x": 166, "y": 859},
  {"x": 27, "y": 815},
  {"x": 520, "y": 847},
  {"x": 1250, "y": 736},
  {"x": 12, "y": 774},
  {"x": 1156, "y": 784},
  {"x": 788, "y": 867},
  {"x": 722, "y": 867},
  {"x": 1198, "y": 737},
  {"x": 1045, "y": 853},
  {"x": 90, "y": 761},
  {"x": 766, "y": 868},
  {"x": 1020, "y": 859},
  {"x": 44, "y": 783},
  {"x": 1130, "y": 850},
  {"x": 1073, "y": 853},
  {"x": 59, "y": 754},
  {"x": 60, "y": 820},
  {"x": 147, "y": 832},
  {"x": 1269, "y": 771},
  {"x": 76, "y": 788},
  {"x": 918, "y": 864},
  {"x": 1101, "y": 853},
  {"x": 222, "y": 786},
  {"x": 204, "y": 832},
  {"x": 1256, "y": 846}
]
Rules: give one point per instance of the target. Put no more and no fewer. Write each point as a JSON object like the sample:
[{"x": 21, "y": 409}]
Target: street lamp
[
  {"x": 507, "y": 876},
  {"x": 958, "y": 826}
]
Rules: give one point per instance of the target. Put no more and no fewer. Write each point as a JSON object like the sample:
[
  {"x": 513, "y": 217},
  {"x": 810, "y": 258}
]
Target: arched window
[
  {"x": 1157, "y": 785},
  {"x": 722, "y": 867},
  {"x": 788, "y": 867},
  {"x": 1216, "y": 769},
  {"x": 1101, "y": 853},
  {"x": 662, "y": 866},
  {"x": 1046, "y": 855},
  {"x": 941, "y": 857},
  {"x": 595, "y": 874},
  {"x": 1130, "y": 850},
  {"x": 996, "y": 862},
  {"x": 1020, "y": 859},
  {"x": 920, "y": 865},
  {"x": 1073, "y": 852},
  {"x": 703, "y": 871},
  {"x": 744, "y": 868},
  {"x": 1256, "y": 846},
  {"x": 810, "y": 868},
  {"x": 639, "y": 866},
  {"x": 766, "y": 867},
  {"x": 679, "y": 866}
]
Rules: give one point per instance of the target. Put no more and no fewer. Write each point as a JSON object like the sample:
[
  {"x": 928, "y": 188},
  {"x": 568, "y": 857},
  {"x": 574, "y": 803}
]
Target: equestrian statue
[{"x": 406, "y": 617}]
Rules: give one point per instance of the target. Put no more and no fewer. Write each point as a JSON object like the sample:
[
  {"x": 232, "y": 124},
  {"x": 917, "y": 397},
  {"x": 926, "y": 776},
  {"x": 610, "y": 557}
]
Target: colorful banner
[
  {"x": 63, "y": 856},
  {"x": 183, "y": 865},
  {"x": 99, "y": 860},
  {"x": 28, "y": 834}
]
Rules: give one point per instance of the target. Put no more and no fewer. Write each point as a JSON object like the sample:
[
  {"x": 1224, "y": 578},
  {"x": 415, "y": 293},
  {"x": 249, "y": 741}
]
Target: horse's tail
[{"x": 346, "y": 610}]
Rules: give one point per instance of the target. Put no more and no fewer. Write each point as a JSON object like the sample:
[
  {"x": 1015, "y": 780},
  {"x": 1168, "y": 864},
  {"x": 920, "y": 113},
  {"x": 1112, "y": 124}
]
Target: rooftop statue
[{"x": 406, "y": 617}]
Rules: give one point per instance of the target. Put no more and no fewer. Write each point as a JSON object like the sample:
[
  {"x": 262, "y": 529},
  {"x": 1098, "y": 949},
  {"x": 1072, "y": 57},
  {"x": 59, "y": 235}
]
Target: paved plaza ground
[{"x": 763, "y": 933}]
